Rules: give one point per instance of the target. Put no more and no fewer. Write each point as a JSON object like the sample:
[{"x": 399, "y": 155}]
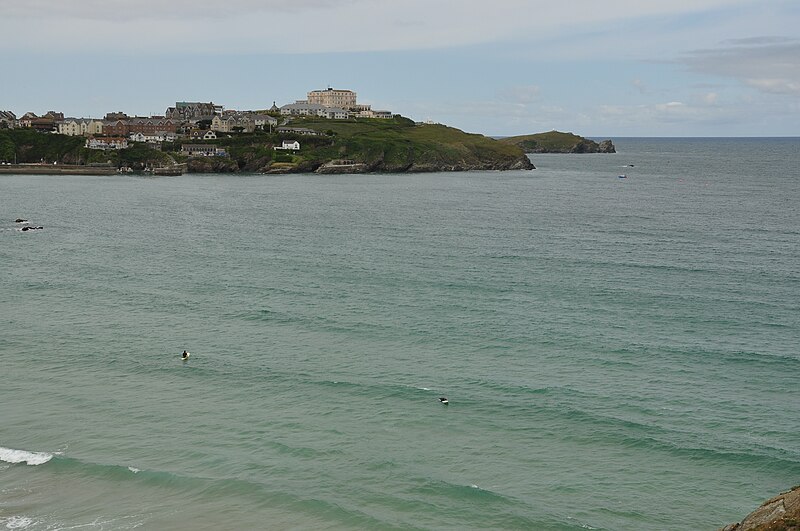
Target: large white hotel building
[{"x": 343, "y": 99}]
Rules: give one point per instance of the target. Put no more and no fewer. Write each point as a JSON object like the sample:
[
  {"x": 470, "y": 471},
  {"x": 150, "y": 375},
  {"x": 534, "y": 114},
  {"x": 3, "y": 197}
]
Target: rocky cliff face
[
  {"x": 606, "y": 146},
  {"x": 521, "y": 163},
  {"x": 781, "y": 513},
  {"x": 379, "y": 166},
  {"x": 212, "y": 165}
]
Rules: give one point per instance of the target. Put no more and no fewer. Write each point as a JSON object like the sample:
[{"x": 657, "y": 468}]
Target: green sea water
[{"x": 618, "y": 354}]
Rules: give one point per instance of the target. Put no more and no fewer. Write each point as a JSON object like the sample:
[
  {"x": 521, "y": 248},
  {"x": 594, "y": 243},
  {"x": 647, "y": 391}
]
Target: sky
[{"x": 606, "y": 69}]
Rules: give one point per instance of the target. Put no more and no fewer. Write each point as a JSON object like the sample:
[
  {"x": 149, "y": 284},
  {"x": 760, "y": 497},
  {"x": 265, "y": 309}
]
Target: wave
[
  {"x": 10, "y": 455},
  {"x": 642, "y": 435},
  {"x": 761, "y": 457},
  {"x": 17, "y": 522},
  {"x": 441, "y": 488},
  {"x": 201, "y": 490},
  {"x": 374, "y": 388}
]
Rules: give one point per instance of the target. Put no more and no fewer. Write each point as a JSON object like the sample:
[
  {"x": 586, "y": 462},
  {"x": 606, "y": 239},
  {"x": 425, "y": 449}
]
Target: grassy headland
[
  {"x": 400, "y": 145},
  {"x": 558, "y": 142}
]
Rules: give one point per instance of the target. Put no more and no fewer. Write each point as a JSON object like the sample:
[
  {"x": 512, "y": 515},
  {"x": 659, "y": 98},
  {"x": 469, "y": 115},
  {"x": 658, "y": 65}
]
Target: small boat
[{"x": 623, "y": 176}]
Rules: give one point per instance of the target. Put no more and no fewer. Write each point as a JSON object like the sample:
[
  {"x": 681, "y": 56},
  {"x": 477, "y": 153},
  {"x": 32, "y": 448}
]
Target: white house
[
  {"x": 106, "y": 143},
  {"x": 204, "y": 134},
  {"x": 369, "y": 113},
  {"x": 302, "y": 109},
  {"x": 291, "y": 145},
  {"x": 299, "y": 131},
  {"x": 333, "y": 113},
  {"x": 161, "y": 136}
]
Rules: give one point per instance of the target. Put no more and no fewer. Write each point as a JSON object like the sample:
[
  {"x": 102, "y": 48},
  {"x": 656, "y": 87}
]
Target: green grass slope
[
  {"x": 558, "y": 142},
  {"x": 401, "y": 145}
]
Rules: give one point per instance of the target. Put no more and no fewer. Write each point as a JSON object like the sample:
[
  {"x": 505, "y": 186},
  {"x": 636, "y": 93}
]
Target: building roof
[
  {"x": 329, "y": 89},
  {"x": 309, "y": 106}
]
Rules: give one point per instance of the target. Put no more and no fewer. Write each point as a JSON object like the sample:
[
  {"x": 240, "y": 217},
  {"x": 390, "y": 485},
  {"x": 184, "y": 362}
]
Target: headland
[{"x": 558, "y": 142}]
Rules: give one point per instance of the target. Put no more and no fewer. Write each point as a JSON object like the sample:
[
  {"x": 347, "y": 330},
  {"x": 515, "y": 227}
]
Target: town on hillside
[
  {"x": 196, "y": 121},
  {"x": 328, "y": 132}
]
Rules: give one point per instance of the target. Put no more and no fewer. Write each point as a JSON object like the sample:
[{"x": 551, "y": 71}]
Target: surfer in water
[{"x": 185, "y": 355}]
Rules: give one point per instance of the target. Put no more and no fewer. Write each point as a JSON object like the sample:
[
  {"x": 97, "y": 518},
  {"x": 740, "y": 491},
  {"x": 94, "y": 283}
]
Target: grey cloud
[
  {"x": 769, "y": 64},
  {"x": 757, "y": 41},
  {"x": 115, "y": 10},
  {"x": 521, "y": 93}
]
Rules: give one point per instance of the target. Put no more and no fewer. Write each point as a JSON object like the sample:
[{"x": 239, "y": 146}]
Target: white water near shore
[{"x": 9, "y": 455}]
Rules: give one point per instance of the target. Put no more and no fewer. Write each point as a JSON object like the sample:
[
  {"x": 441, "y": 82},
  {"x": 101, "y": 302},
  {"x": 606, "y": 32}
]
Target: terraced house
[
  {"x": 80, "y": 127},
  {"x": 246, "y": 122},
  {"x": 146, "y": 126},
  {"x": 303, "y": 108},
  {"x": 193, "y": 111}
]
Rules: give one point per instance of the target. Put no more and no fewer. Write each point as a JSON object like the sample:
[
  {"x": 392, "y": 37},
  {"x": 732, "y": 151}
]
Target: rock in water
[
  {"x": 781, "y": 513},
  {"x": 606, "y": 146}
]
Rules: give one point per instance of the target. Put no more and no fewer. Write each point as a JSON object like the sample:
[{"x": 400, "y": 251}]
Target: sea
[{"x": 617, "y": 335}]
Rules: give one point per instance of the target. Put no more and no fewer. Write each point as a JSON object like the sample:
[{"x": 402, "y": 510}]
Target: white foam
[
  {"x": 9, "y": 455},
  {"x": 18, "y": 522},
  {"x": 134, "y": 469}
]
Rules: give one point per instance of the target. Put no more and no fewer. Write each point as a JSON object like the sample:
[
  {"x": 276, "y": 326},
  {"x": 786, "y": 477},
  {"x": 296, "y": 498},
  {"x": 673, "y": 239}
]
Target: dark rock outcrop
[
  {"x": 211, "y": 165},
  {"x": 781, "y": 513},
  {"x": 381, "y": 166},
  {"x": 606, "y": 146}
]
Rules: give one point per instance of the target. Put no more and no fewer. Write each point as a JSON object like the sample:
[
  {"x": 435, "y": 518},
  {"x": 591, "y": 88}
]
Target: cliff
[
  {"x": 558, "y": 142},
  {"x": 781, "y": 513}
]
